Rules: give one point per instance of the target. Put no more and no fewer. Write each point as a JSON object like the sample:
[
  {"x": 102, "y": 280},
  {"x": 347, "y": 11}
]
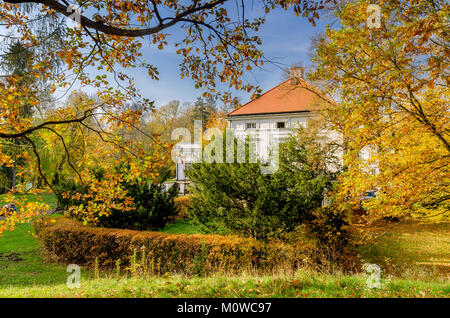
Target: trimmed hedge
[{"x": 69, "y": 241}]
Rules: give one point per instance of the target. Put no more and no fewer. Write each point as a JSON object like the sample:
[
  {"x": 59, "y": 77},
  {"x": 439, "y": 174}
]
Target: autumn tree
[
  {"x": 393, "y": 84},
  {"x": 164, "y": 119},
  {"x": 15, "y": 62}
]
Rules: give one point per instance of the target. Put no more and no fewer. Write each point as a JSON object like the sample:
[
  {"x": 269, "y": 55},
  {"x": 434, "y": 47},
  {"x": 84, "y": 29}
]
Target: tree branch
[
  {"x": 28, "y": 131},
  {"x": 38, "y": 158},
  {"x": 108, "y": 29}
]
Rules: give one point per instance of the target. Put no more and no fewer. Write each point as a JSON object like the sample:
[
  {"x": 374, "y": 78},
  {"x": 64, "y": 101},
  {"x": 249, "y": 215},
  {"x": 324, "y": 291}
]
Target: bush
[
  {"x": 238, "y": 198},
  {"x": 70, "y": 187},
  {"x": 182, "y": 204},
  {"x": 69, "y": 241},
  {"x": 330, "y": 226},
  {"x": 153, "y": 204},
  {"x": 154, "y": 207}
]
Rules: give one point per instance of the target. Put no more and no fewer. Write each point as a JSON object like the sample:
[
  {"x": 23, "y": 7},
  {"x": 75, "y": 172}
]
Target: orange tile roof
[{"x": 285, "y": 98}]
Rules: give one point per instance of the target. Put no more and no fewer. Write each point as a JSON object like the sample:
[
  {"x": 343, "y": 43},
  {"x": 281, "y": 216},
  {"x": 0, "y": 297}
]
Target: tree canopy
[{"x": 393, "y": 84}]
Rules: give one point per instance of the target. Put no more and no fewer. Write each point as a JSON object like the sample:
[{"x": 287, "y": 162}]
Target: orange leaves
[
  {"x": 102, "y": 196},
  {"x": 121, "y": 160},
  {"x": 28, "y": 211}
]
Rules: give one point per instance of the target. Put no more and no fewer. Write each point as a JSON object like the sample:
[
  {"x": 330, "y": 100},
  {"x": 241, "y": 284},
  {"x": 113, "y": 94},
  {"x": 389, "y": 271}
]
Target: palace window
[{"x": 281, "y": 125}]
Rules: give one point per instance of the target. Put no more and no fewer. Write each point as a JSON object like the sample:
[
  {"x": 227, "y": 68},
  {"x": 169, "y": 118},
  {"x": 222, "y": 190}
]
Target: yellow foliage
[{"x": 394, "y": 107}]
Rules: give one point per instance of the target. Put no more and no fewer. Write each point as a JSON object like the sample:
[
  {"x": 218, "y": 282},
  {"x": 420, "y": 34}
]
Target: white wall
[
  {"x": 185, "y": 154},
  {"x": 266, "y": 131}
]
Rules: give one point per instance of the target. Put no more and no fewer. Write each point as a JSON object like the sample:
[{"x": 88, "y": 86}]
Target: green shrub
[
  {"x": 71, "y": 187},
  {"x": 153, "y": 204},
  {"x": 238, "y": 198},
  {"x": 154, "y": 207},
  {"x": 69, "y": 241}
]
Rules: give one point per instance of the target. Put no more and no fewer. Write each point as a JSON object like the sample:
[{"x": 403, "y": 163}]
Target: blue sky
[{"x": 286, "y": 40}]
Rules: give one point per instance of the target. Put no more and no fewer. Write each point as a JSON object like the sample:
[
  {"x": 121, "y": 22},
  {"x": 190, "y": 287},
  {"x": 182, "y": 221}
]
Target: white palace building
[{"x": 272, "y": 116}]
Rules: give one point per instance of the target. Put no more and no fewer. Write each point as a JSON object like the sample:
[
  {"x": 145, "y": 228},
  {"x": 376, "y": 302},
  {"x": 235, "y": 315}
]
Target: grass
[
  {"x": 301, "y": 284},
  {"x": 48, "y": 198},
  {"x": 411, "y": 249},
  {"x": 21, "y": 263},
  {"x": 25, "y": 273},
  {"x": 181, "y": 227}
]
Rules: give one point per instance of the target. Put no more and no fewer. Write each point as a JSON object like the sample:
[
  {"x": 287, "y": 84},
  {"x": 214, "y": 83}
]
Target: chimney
[{"x": 296, "y": 72}]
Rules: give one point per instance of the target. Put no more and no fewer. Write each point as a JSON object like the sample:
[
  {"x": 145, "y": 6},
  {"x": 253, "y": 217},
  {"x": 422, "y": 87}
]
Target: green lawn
[
  {"x": 22, "y": 265},
  {"x": 25, "y": 273},
  {"x": 181, "y": 227},
  {"x": 302, "y": 284}
]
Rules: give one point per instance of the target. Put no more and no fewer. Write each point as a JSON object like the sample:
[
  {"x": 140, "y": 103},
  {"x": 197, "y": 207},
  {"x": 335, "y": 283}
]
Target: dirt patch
[{"x": 11, "y": 257}]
